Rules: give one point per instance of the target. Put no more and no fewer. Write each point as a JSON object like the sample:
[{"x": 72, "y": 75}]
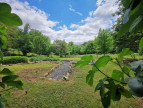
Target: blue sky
[
  {"x": 70, "y": 20},
  {"x": 59, "y": 9}
]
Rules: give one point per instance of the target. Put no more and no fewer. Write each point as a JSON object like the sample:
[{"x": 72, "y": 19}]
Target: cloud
[
  {"x": 87, "y": 30},
  {"x": 37, "y": 18},
  {"x": 73, "y": 10}
]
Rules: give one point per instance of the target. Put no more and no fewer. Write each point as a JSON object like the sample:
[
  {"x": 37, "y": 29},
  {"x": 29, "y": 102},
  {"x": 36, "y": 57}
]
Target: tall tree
[
  {"x": 90, "y": 47},
  {"x": 105, "y": 42},
  {"x": 42, "y": 45},
  {"x": 60, "y": 47}
]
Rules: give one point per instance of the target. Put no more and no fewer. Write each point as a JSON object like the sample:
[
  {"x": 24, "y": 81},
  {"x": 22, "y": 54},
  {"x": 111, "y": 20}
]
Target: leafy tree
[
  {"x": 90, "y": 47},
  {"x": 23, "y": 43},
  {"x": 42, "y": 45},
  {"x": 104, "y": 41},
  {"x": 60, "y": 47}
]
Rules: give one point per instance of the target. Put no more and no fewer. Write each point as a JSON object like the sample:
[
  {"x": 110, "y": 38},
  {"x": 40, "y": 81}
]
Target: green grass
[{"x": 75, "y": 93}]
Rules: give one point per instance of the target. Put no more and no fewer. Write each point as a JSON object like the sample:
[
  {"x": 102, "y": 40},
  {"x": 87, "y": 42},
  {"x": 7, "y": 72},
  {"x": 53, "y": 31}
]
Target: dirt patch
[{"x": 32, "y": 74}]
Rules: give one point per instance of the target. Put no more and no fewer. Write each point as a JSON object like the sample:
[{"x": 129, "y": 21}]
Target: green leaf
[
  {"x": 1, "y": 55},
  {"x": 85, "y": 60},
  {"x": 141, "y": 43},
  {"x": 18, "y": 84},
  {"x": 2, "y": 85},
  {"x": 136, "y": 11},
  {"x": 125, "y": 52},
  {"x": 3, "y": 30},
  {"x": 6, "y": 71},
  {"x": 126, "y": 70},
  {"x": 126, "y": 3},
  {"x": 136, "y": 86},
  {"x": 115, "y": 93},
  {"x": 7, "y": 17},
  {"x": 106, "y": 100},
  {"x": 118, "y": 75},
  {"x": 9, "y": 78},
  {"x": 89, "y": 78},
  {"x": 3, "y": 40},
  {"x": 100, "y": 84},
  {"x": 126, "y": 93},
  {"x": 137, "y": 24},
  {"x": 102, "y": 61}
]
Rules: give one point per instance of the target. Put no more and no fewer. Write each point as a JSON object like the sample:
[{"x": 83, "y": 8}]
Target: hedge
[{"x": 14, "y": 60}]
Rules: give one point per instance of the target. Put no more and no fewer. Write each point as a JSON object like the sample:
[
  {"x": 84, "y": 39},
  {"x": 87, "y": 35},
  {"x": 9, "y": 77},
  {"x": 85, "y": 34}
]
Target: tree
[
  {"x": 22, "y": 42},
  {"x": 90, "y": 47},
  {"x": 60, "y": 47},
  {"x": 105, "y": 44},
  {"x": 42, "y": 45},
  {"x": 26, "y": 28}
]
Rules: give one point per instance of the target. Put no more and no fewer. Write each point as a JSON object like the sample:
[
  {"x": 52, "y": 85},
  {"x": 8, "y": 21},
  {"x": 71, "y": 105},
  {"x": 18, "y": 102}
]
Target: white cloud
[
  {"x": 32, "y": 15},
  {"x": 73, "y": 10},
  {"x": 38, "y": 19}
]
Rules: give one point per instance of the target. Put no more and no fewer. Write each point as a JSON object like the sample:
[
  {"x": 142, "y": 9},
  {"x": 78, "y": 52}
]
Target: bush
[
  {"x": 43, "y": 59},
  {"x": 14, "y": 60}
]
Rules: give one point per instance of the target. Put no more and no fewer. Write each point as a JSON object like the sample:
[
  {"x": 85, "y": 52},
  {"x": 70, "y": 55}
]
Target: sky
[{"x": 70, "y": 20}]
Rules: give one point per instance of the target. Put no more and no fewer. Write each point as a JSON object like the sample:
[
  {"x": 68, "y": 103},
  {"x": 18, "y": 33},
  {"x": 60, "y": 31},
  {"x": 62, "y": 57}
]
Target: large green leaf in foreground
[{"x": 7, "y": 17}]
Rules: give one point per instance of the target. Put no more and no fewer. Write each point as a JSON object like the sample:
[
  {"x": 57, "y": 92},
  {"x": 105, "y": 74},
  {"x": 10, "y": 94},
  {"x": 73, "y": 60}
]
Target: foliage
[
  {"x": 141, "y": 47},
  {"x": 8, "y": 18},
  {"x": 14, "y": 60},
  {"x": 90, "y": 47},
  {"x": 104, "y": 41},
  {"x": 133, "y": 19},
  {"x": 22, "y": 42},
  {"x": 60, "y": 47},
  {"x": 42, "y": 45},
  {"x": 112, "y": 87}
]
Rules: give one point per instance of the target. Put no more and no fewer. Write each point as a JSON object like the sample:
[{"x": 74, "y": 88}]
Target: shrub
[
  {"x": 14, "y": 60},
  {"x": 44, "y": 59}
]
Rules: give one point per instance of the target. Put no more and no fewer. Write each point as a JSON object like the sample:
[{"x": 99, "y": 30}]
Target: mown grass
[
  {"x": 43, "y": 93},
  {"x": 77, "y": 57}
]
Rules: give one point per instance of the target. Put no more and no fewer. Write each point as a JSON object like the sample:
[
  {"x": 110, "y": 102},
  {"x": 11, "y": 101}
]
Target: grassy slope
[{"x": 51, "y": 94}]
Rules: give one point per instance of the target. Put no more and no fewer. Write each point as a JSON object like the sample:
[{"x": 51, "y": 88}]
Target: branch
[
  {"x": 108, "y": 76},
  {"x": 122, "y": 68}
]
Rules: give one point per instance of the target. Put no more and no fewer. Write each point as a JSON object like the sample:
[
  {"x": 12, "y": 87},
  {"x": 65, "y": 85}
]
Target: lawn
[{"x": 44, "y": 93}]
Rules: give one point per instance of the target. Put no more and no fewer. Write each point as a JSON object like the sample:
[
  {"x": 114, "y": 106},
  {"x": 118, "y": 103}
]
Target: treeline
[{"x": 29, "y": 40}]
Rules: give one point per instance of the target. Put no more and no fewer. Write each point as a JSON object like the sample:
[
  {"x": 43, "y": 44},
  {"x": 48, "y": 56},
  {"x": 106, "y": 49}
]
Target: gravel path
[{"x": 62, "y": 71}]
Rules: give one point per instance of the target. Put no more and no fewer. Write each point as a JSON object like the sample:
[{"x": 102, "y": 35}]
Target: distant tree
[
  {"x": 60, "y": 47},
  {"x": 42, "y": 45},
  {"x": 23, "y": 43},
  {"x": 90, "y": 47},
  {"x": 105, "y": 41},
  {"x": 26, "y": 28},
  {"x": 70, "y": 48}
]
